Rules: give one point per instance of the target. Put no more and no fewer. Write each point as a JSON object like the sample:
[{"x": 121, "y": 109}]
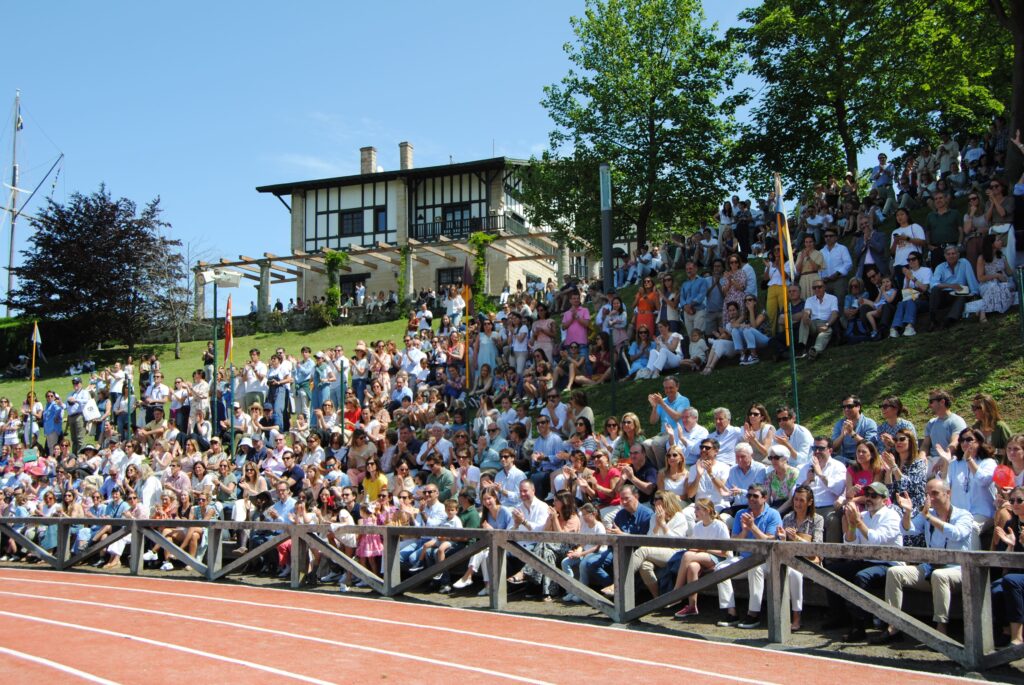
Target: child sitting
[
  {"x": 886, "y": 295},
  {"x": 697, "y": 354}
]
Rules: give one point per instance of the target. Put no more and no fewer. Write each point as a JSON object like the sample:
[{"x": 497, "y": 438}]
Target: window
[
  {"x": 457, "y": 215},
  {"x": 447, "y": 277},
  {"x": 380, "y": 220},
  {"x": 352, "y": 222}
]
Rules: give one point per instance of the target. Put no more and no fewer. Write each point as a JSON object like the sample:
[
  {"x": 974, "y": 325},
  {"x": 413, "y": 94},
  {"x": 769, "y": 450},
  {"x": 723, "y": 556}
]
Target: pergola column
[
  {"x": 200, "y": 295},
  {"x": 263, "y": 290}
]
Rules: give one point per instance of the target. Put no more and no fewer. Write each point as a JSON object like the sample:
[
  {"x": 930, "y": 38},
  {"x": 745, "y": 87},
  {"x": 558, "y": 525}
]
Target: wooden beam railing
[{"x": 975, "y": 652}]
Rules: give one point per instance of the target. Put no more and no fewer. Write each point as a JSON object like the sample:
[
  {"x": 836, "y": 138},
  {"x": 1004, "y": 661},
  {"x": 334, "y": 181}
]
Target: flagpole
[
  {"x": 32, "y": 371},
  {"x": 785, "y": 245}
]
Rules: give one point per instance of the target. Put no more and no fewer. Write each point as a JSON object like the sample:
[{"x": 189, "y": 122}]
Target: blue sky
[{"x": 199, "y": 103}]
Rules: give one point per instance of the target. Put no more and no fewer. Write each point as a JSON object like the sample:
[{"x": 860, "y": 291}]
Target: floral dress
[
  {"x": 996, "y": 296},
  {"x": 915, "y": 475},
  {"x": 735, "y": 288},
  {"x": 781, "y": 488}
]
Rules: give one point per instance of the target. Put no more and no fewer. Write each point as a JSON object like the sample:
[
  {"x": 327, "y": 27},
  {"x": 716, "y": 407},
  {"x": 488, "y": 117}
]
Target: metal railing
[
  {"x": 975, "y": 652},
  {"x": 457, "y": 229}
]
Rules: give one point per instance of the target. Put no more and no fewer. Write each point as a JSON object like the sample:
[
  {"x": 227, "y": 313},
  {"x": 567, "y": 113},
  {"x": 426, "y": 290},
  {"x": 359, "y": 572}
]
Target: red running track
[{"x": 124, "y": 629}]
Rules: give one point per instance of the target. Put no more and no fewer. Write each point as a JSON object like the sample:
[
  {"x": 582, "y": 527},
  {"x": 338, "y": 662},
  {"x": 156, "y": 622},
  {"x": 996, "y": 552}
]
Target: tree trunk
[
  {"x": 843, "y": 128},
  {"x": 177, "y": 342},
  {"x": 1014, "y": 158}
]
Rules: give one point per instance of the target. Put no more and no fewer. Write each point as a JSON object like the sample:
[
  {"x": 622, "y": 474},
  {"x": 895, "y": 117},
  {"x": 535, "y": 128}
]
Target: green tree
[
  {"x": 649, "y": 91},
  {"x": 98, "y": 265},
  {"x": 1009, "y": 15},
  {"x": 841, "y": 76}
]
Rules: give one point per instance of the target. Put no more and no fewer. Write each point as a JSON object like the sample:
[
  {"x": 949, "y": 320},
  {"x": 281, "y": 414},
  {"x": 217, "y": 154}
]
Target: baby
[{"x": 698, "y": 352}]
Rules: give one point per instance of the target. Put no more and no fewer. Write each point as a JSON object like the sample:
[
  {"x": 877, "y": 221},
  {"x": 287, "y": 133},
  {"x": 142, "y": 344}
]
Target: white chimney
[
  {"x": 405, "y": 155},
  {"x": 367, "y": 160}
]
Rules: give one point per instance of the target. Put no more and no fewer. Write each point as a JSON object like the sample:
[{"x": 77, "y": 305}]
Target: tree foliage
[
  {"x": 648, "y": 92},
  {"x": 98, "y": 264},
  {"x": 841, "y": 76}
]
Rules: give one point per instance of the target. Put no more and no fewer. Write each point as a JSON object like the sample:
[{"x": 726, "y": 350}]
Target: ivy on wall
[
  {"x": 403, "y": 265},
  {"x": 479, "y": 242},
  {"x": 334, "y": 261}
]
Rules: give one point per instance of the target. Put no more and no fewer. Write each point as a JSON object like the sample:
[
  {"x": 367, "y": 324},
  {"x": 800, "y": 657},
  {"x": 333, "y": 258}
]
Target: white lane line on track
[
  {"x": 56, "y": 665},
  {"x": 590, "y": 654},
  {"x": 166, "y": 645},
  {"x": 269, "y": 631}
]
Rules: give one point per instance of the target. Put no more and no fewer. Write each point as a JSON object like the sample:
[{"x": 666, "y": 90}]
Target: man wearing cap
[
  {"x": 876, "y": 525},
  {"x": 76, "y": 421},
  {"x": 944, "y": 527}
]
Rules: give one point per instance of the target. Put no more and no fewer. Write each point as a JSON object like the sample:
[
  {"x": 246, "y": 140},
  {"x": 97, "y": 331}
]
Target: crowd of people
[{"x": 480, "y": 421}]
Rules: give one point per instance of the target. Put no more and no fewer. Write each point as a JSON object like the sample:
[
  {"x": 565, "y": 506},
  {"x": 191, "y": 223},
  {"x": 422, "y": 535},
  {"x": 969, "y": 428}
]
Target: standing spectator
[
  {"x": 838, "y": 265},
  {"x": 944, "y": 228},
  {"x": 254, "y": 375},
  {"x": 76, "y": 421},
  {"x": 693, "y": 295}
]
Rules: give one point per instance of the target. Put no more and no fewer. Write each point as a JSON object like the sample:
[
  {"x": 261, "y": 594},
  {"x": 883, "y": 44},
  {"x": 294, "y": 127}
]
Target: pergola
[{"x": 272, "y": 269}]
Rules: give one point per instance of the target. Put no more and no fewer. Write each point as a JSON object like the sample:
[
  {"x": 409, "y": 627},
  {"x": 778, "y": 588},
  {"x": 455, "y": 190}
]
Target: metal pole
[
  {"x": 792, "y": 358},
  {"x": 230, "y": 410},
  {"x": 605, "y": 173},
  {"x": 14, "y": 197},
  {"x": 1020, "y": 299},
  {"x": 213, "y": 405}
]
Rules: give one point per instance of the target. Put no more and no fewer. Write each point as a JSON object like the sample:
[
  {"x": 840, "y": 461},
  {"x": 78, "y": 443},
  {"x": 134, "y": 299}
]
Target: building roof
[{"x": 355, "y": 179}]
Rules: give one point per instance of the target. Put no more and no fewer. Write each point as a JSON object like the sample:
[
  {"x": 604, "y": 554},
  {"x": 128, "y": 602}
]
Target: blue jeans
[
  {"x": 359, "y": 387},
  {"x": 280, "y": 402},
  {"x": 907, "y": 311},
  {"x": 409, "y": 553},
  {"x": 748, "y": 339},
  {"x": 595, "y": 569},
  {"x": 1008, "y": 599}
]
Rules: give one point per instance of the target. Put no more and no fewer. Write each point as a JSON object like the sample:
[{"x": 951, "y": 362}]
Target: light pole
[
  {"x": 226, "y": 279},
  {"x": 606, "y": 247}
]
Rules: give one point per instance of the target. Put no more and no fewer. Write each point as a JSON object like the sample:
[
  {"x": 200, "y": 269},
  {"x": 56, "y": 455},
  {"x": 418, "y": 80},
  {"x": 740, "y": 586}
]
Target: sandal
[{"x": 516, "y": 580}]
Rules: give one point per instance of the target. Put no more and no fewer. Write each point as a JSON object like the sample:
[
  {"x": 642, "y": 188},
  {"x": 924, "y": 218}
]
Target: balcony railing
[{"x": 460, "y": 229}]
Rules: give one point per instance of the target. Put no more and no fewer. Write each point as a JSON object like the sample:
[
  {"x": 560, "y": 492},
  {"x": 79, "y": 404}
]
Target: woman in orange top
[{"x": 647, "y": 304}]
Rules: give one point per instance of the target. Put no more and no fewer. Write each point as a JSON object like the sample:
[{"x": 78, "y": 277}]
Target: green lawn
[
  {"x": 965, "y": 360},
  {"x": 54, "y": 374}
]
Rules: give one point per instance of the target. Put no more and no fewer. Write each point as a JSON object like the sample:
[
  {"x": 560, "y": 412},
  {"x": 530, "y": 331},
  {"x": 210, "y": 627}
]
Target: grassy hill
[{"x": 55, "y": 376}]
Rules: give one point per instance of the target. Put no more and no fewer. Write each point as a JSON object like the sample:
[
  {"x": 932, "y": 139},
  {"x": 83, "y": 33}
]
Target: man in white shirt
[
  {"x": 558, "y": 412},
  {"x": 76, "y": 422},
  {"x": 820, "y": 311},
  {"x": 826, "y": 477},
  {"x": 255, "y": 375},
  {"x": 838, "y": 264},
  {"x": 878, "y": 524},
  {"x": 689, "y": 434},
  {"x": 707, "y": 479},
  {"x": 437, "y": 444},
  {"x": 155, "y": 395},
  {"x": 411, "y": 356},
  {"x": 726, "y": 436},
  {"x": 796, "y": 439},
  {"x": 508, "y": 478}
]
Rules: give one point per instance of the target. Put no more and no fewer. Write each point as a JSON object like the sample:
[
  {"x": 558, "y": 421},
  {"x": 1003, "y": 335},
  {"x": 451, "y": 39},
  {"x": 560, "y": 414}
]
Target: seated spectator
[
  {"x": 666, "y": 355},
  {"x": 803, "y": 524},
  {"x": 995, "y": 276},
  {"x": 944, "y": 526},
  {"x": 796, "y": 439},
  {"x": 751, "y": 333},
  {"x": 744, "y": 473},
  {"x": 969, "y": 474},
  {"x": 821, "y": 311},
  {"x": 915, "y": 296},
  {"x": 952, "y": 281},
  {"x": 877, "y": 525},
  {"x": 851, "y": 430},
  {"x": 722, "y": 345},
  {"x": 696, "y": 561}
]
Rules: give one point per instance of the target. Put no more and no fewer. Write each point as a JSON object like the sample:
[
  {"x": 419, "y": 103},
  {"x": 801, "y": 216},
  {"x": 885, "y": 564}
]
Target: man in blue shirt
[
  {"x": 851, "y": 430},
  {"x": 667, "y": 414},
  {"x": 944, "y": 527},
  {"x": 548, "y": 455},
  {"x": 633, "y": 519},
  {"x": 949, "y": 278},
  {"x": 53, "y": 420},
  {"x": 693, "y": 296},
  {"x": 757, "y": 522}
]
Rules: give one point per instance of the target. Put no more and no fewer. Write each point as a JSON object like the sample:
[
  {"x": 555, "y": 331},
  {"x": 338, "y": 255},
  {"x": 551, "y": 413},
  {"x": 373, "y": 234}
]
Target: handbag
[{"x": 90, "y": 412}]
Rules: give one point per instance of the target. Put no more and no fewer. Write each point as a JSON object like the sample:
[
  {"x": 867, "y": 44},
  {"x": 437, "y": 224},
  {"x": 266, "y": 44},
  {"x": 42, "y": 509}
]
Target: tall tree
[
  {"x": 841, "y": 76},
  {"x": 1010, "y": 16},
  {"x": 97, "y": 264},
  {"x": 648, "y": 92}
]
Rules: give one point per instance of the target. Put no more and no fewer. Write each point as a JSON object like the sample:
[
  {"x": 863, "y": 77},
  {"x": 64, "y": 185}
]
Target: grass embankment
[{"x": 55, "y": 376}]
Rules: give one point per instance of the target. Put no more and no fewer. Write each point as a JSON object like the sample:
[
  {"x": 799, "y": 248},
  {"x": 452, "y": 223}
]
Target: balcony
[{"x": 460, "y": 229}]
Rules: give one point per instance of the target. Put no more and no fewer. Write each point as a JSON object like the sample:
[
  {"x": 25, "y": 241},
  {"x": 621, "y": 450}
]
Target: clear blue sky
[{"x": 201, "y": 102}]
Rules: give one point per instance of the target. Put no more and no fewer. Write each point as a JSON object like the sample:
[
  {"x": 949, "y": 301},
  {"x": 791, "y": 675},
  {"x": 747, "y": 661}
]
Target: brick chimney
[
  {"x": 367, "y": 160},
  {"x": 405, "y": 155}
]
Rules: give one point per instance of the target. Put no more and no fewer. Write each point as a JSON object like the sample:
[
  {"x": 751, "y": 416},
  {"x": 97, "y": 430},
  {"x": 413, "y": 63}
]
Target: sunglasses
[
  {"x": 1016, "y": 500},
  {"x": 965, "y": 440},
  {"x": 706, "y": 448},
  {"x": 872, "y": 494},
  {"x": 754, "y": 413},
  {"x": 848, "y": 406}
]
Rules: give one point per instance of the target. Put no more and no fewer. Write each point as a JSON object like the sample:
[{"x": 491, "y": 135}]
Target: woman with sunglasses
[
  {"x": 543, "y": 333},
  {"x": 894, "y": 419},
  {"x": 916, "y": 283},
  {"x": 722, "y": 345},
  {"x": 758, "y": 431},
  {"x": 975, "y": 227},
  {"x": 995, "y": 276},
  {"x": 969, "y": 474},
  {"x": 672, "y": 478},
  {"x": 907, "y": 473},
  {"x": 610, "y": 437},
  {"x": 639, "y": 351},
  {"x": 809, "y": 263}
]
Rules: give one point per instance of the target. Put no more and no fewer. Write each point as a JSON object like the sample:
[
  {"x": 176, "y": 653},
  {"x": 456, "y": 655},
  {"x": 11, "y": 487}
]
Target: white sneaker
[
  {"x": 484, "y": 592},
  {"x": 149, "y": 556},
  {"x": 462, "y": 583},
  {"x": 893, "y": 333},
  {"x": 342, "y": 587},
  {"x": 285, "y": 572},
  {"x": 167, "y": 566},
  {"x": 909, "y": 331}
]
